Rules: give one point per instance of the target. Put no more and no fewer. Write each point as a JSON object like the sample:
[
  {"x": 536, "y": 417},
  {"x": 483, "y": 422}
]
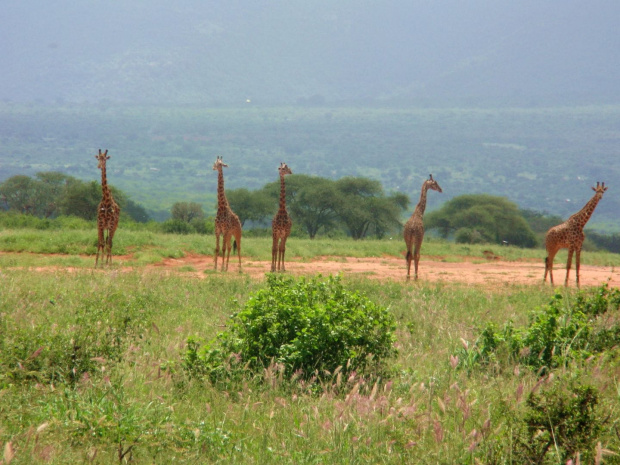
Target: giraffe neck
[
  {"x": 583, "y": 215},
  {"x": 104, "y": 182},
  {"x": 421, "y": 206},
  {"x": 282, "y": 194},
  {"x": 222, "y": 202}
]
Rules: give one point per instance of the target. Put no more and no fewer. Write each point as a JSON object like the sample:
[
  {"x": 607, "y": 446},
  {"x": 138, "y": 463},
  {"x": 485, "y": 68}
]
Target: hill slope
[{"x": 286, "y": 51}]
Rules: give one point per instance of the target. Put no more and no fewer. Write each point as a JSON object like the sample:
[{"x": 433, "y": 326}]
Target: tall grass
[{"x": 143, "y": 406}]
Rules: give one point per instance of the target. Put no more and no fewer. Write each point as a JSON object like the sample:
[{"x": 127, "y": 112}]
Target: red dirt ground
[
  {"x": 490, "y": 272},
  {"x": 475, "y": 271}
]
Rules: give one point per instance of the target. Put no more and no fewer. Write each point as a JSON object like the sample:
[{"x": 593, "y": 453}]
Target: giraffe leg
[
  {"x": 549, "y": 266},
  {"x": 568, "y": 264},
  {"x": 577, "y": 263},
  {"x": 226, "y": 251},
  {"x": 217, "y": 250},
  {"x": 282, "y": 251},
  {"x": 111, "y": 232},
  {"x": 274, "y": 253},
  {"x": 409, "y": 257},
  {"x": 108, "y": 249},
  {"x": 238, "y": 244},
  {"x": 416, "y": 260},
  {"x": 100, "y": 246}
]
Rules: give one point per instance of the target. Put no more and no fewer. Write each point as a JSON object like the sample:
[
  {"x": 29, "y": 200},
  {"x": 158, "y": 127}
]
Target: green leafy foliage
[
  {"x": 479, "y": 218},
  {"x": 50, "y": 194},
  {"x": 309, "y": 327},
  {"x": 557, "y": 334},
  {"x": 187, "y": 211}
]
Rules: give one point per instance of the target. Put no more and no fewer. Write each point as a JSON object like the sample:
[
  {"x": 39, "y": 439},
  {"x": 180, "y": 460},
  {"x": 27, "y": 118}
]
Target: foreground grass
[
  {"x": 137, "y": 402},
  {"x": 147, "y": 247}
]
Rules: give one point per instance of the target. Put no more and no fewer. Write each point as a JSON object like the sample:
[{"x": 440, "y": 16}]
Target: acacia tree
[
  {"x": 482, "y": 218},
  {"x": 187, "y": 211},
  {"x": 363, "y": 207},
  {"x": 18, "y": 193},
  {"x": 313, "y": 203},
  {"x": 253, "y": 206},
  {"x": 310, "y": 201},
  {"x": 39, "y": 196},
  {"x": 51, "y": 193}
]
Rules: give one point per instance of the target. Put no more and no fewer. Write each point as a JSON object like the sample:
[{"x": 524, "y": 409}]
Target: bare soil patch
[{"x": 493, "y": 271}]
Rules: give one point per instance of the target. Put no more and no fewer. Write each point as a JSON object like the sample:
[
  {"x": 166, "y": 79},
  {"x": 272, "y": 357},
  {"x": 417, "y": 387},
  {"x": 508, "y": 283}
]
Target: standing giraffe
[
  {"x": 226, "y": 222},
  {"x": 108, "y": 213},
  {"x": 569, "y": 235},
  {"x": 281, "y": 225},
  {"x": 414, "y": 227}
]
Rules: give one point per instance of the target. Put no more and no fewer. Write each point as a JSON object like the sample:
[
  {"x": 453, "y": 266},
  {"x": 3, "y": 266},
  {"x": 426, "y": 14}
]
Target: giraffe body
[
  {"x": 569, "y": 235},
  {"x": 227, "y": 224},
  {"x": 281, "y": 225},
  {"x": 414, "y": 227},
  {"x": 108, "y": 214}
]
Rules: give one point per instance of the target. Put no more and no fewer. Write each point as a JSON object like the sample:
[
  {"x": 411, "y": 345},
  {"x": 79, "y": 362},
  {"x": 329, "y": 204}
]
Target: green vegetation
[
  {"x": 556, "y": 335},
  {"x": 311, "y": 329},
  {"x": 50, "y": 194},
  {"x": 93, "y": 369},
  {"x": 70, "y": 239},
  {"x": 481, "y": 218},
  {"x": 164, "y": 155},
  {"x": 357, "y": 207}
]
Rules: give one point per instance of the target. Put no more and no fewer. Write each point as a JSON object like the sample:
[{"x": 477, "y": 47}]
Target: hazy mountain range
[{"x": 293, "y": 51}]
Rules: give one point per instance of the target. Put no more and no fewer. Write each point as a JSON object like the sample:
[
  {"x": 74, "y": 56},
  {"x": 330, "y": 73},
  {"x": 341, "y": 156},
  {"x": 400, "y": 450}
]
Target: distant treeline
[
  {"x": 545, "y": 159},
  {"x": 349, "y": 207}
]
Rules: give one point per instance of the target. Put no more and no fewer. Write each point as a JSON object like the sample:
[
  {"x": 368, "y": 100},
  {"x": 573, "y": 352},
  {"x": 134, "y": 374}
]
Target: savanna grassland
[{"x": 96, "y": 365}]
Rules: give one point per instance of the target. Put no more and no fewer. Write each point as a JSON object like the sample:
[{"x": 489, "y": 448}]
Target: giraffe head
[
  {"x": 219, "y": 164},
  {"x": 600, "y": 188},
  {"x": 432, "y": 184},
  {"x": 102, "y": 158},
  {"x": 284, "y": 169}
]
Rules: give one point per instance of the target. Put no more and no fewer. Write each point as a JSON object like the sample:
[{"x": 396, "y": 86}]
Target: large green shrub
[{"x": 309, "y": 327}]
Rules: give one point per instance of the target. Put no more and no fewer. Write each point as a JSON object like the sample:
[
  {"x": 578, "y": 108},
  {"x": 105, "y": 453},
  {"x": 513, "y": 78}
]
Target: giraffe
[
  {"x": 108, "y": 213},
  {"x": 226, "y": 222},
  {"x": 281, "y": 225},
  {"x": 569, "y": 235},
  {"x": 414, "y": 227}
]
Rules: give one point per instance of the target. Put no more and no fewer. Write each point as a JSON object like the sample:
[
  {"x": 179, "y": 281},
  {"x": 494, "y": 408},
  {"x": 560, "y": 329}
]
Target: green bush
[
  {"x": 557, "y": 333},
  {"x": 176, "y": 227},
  {"x": 308, "y": 327},
  {"x": 559, "y": 424}
]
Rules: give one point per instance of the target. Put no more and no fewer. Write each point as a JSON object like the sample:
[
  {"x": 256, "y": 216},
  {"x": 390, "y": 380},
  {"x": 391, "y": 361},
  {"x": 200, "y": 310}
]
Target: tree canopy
[
  {"x": 357, "y": 205},
  {"x": 50, "y": 194},
  {"x": 479, "y": 218}
]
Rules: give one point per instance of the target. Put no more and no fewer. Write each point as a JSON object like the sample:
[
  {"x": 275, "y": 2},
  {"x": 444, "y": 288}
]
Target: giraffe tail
[{"x": 234, "y": 245}]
